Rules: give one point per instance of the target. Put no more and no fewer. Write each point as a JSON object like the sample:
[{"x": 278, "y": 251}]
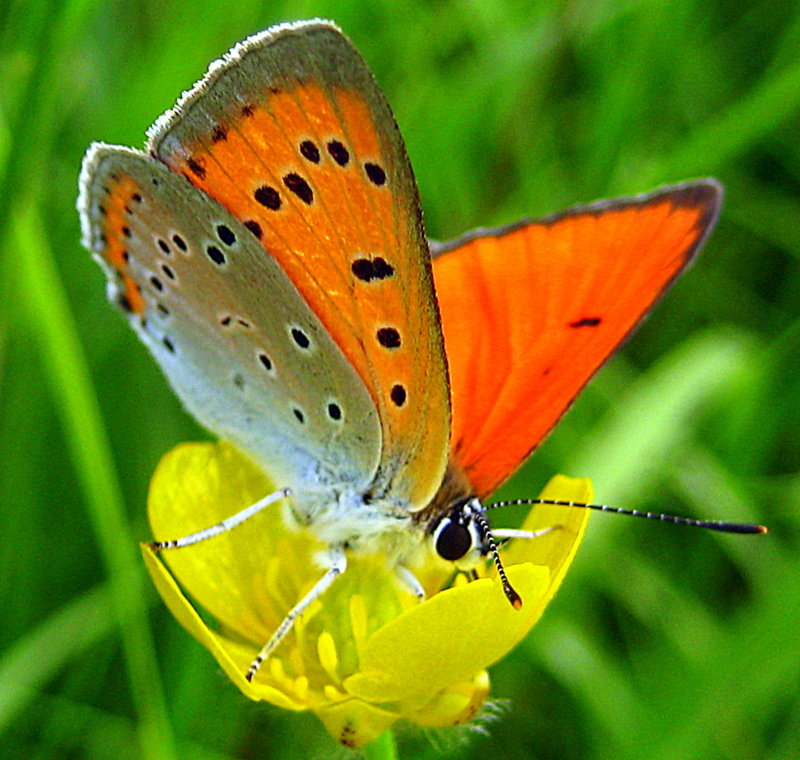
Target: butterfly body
[{"x": 268, "y": 248}]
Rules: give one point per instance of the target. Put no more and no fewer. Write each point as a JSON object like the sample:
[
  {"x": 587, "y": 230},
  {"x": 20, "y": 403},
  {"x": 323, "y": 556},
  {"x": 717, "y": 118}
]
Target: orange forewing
[
  {"x": 530, "y": 312},
  {"x": 347, "y": 199},
  {"x": 314, "y": 242}
]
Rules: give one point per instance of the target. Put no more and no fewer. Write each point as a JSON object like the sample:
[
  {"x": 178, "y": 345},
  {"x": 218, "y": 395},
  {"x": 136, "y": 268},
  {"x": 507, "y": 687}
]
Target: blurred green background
[{"x": 664, "y": 642}]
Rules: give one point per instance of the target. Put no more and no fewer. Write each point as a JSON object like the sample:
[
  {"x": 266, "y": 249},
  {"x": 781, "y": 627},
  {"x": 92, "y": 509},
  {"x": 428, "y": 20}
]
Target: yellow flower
[{"x": 367, "y": 653}]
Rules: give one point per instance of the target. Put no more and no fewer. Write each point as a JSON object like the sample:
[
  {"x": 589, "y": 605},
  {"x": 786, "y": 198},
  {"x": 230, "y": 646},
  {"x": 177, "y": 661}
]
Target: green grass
[{"x": 664, "y": 642}]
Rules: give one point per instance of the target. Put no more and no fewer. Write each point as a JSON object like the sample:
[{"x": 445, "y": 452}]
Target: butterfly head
[
  {"x": 457, "y": 536},
  {"x": 462, "y": 536}
]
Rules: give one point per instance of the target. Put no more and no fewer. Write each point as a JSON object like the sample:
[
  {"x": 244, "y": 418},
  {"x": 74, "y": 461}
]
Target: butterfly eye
[{"x": 455, "y": 536}]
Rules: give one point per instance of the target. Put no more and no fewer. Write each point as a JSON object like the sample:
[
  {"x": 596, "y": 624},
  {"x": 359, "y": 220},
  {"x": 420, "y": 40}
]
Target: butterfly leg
[
  {"x": 338, "y": 566},
  {"x": 506, "y": 533},
  {"x": 411, "y": 582},
  {"x": 221, "y": 527}
]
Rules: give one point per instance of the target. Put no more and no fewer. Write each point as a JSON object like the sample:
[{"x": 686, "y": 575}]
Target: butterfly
[{"x": 268, "y": 248}]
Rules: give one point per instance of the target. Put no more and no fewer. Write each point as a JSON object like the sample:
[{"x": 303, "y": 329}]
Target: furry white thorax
[{"x": 340, "y": 516}]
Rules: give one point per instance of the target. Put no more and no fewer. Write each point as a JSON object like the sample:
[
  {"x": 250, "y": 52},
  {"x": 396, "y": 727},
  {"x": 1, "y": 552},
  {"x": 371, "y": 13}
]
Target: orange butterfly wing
[
  {"x": 302, "y": 147},
  {"x": 531, "y": 311}
]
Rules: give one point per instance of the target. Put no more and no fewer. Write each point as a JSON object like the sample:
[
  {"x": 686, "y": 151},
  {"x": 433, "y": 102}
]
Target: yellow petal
[
  {"x": 448, "y": 638},
  {"x": 231, "y": 575},
  {"x": 218, "y": 646},
  {"x": 453, "y": 706},
  {"x": 354, "y": 723}
]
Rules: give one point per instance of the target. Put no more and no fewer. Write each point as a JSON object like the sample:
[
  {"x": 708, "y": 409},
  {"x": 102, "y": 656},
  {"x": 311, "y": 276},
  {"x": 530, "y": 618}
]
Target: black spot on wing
[
  {"x": 338, "y": 152},
  {"x": 296, "y": 184},
  {"x": 254, "y": 227},
  {"x": 196, "y": 167},
  {"x": 388, "y": 337},
  {"x": 217, "y": 256},
  {"x": 398, "y": 394},
  {"x": 300, "y": 338},
  {"x": 375, "y": 173},
  {"x": 367, "y": 269},
  {"x": 225, "y": 234},
  {"x": 586, "y": 322},
  {"x": 268, "y": 196},
  {"x": 310, "y": 151}
]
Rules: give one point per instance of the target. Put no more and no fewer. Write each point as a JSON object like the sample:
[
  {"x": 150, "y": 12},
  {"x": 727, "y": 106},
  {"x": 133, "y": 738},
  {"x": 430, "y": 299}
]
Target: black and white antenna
[{"x": 722, "y": 527}]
